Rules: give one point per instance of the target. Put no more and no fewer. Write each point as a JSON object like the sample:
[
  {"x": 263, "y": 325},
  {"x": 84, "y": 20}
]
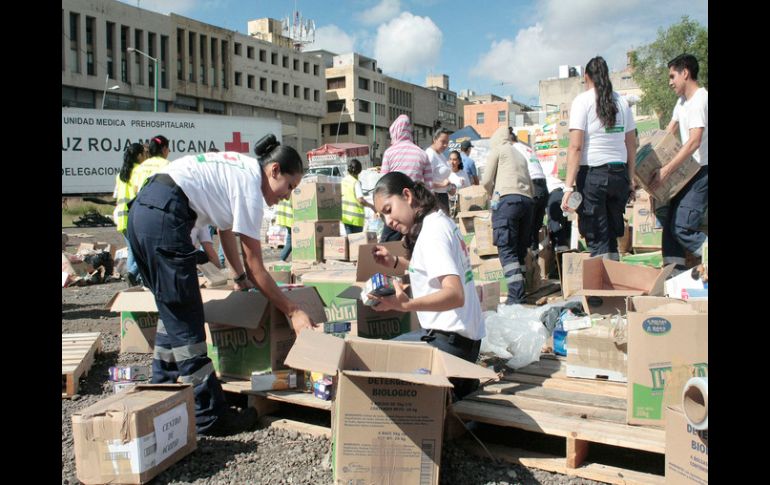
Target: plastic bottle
[
  {"x": 573, "y": 202},
  {"x": 495, "y": 200}
]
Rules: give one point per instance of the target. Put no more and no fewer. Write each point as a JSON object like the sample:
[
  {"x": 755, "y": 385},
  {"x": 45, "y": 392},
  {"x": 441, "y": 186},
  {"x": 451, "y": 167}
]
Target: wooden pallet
[
  {"x": 266, "y": 402},
  {"x": 78, "y": 351},
  {"x": 540, "y": 398}
]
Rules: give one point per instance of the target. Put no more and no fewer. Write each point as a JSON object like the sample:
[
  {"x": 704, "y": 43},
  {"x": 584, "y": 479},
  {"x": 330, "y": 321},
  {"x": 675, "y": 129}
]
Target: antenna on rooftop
[{"x": 300, "y": 31}]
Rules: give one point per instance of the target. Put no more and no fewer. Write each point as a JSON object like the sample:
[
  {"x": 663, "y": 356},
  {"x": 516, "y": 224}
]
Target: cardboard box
[
  {"x": 247, "y": 333},
  {"x": 533, "y": 277},
  {"x": 388, "y": 414},
  {"x": 478, "y": 223},
  {"x": 489, "y": 295},
  {"x": 336, "y": 248},
  {"x": 278, "y": 380},
  {"x": 329, "y": 285},
  {"x": 655, "y": 152},
  {"x": 571, "y": 271},
  {"x": 564, "y": 111},
  {"x": 316, "y": 201},
  {"x": 357, "y": 239},
  {"x": 648, "y": 232},
  {"x": 595, "y": 353},
  {"x": 625, "y": 243},
  {"x": 133, "y": 436},
  {"x": 473, "y": 198},
  {"x": 214, "y": 276},
  {"x": 307, "y": 239},
  {"x": 138, "y": 319},
  {"x": 490, "y": 269},
  {"x": 687, "y": 450},
  {"x": 667, "y": 344},
  {"x": 561, "y": 163},
  {"x": 607, "y": 284}
]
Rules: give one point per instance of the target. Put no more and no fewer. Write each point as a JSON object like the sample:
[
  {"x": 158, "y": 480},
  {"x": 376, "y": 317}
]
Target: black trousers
[
  {"x": 605, "y": 191},
  {"x": 511, "y": 225},
  {"x": 540, "y": 201},
  {"x": 159, "y": 224}
]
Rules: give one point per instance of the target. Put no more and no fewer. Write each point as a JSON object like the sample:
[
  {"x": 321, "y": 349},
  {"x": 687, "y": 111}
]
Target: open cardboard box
[
  {"x": 607, "y": 284},
  {"x": 390, "y": 404}
]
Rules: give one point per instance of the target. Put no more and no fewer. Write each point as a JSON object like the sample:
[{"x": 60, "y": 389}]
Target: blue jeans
[
  {"x": 287, "y": 247},
  {"x": 131, "y": 266}
]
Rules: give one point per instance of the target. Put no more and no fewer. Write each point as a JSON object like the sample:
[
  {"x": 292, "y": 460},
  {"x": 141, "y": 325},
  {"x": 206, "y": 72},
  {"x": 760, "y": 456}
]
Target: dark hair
[
  {"x": 394, "y": 183},
  {"x": 354, "y": 167},
  {"x": 606, "y": 109},
  {"x": 269, "y": 150},
  {"x": 439, "y": 132},
  {"x": 130, "y": 160},
  {"x": 513, "y": 136},
  {"x": 685, "y": 61},
  {"x": 455, "y": 152},
  {"x": 157, "y": 144}
]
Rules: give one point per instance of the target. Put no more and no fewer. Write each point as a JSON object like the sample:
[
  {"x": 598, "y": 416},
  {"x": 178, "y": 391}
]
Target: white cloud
[
  {"x": 167, "y": 6},
  {"x": 382, "y": 12},
  {"x": 332, "y": 38},
  {"x": 408, "y": 44},
  {"x": 572, "y": 32}
]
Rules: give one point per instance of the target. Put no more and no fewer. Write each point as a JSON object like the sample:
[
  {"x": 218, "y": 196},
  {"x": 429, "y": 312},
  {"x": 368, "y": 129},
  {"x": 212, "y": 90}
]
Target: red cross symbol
[{"x": 236, "y": 145}]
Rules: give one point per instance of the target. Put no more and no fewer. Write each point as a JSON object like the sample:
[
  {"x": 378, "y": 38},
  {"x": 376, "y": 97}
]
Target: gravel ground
[{"x": 264, "y": 456}]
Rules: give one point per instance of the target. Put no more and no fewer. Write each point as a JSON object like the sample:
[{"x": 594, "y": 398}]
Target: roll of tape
[{"x": 695, "y": 402}]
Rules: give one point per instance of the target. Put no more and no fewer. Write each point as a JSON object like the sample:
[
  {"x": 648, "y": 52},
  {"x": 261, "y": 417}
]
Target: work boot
[{"x": 233, "y": 422}]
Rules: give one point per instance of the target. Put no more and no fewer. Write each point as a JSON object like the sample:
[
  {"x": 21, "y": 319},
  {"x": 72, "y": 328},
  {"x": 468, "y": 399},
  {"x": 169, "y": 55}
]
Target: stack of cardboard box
[{"x": 317, "y": 212}]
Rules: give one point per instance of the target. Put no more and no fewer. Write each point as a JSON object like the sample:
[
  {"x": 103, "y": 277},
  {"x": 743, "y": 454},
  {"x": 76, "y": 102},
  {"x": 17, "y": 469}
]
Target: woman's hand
[
  {"x": 383, "y": 257},
  {"x": 564, "y": 200},
  {"x": 396, "y": 302}
]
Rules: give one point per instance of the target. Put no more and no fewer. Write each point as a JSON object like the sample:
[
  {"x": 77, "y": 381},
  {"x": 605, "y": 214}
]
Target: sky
[{"x": 503, "y": 47}]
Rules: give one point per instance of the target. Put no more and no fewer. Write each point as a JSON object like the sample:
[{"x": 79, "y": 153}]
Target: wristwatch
[{"x": 569, "y": 189}]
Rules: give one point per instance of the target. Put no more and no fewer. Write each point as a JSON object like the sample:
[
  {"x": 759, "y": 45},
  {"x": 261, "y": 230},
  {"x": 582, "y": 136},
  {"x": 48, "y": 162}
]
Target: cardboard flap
[
  {"x": 368, "y": 267},
  {"x": 667, "y": 306},
  {"x": 430, "y": 380},
  {"x": 351, "y": 292},
  {"x": 237, "y": 308},
  {"x": 644, "y": 304},
  {"x": 317, "y": 352},
  {"x": 659, "y": 285},
  {"x": 309, "y": 301},
  {"x": 132, "y": 300},
  {"x": 457, "y": 367},
  {"x": 605, "y": 274}
]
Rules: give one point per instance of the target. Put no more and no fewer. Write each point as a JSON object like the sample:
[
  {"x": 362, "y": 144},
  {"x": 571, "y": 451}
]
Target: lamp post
[
  {"x": 111, "y": 88},
  {"x": 344, "y": 108},
  {"x": 134, "y": 49}
]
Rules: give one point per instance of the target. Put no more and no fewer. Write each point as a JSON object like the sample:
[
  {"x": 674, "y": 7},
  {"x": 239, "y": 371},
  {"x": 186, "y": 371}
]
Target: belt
[
  {"x": 452, "y": 337},
  {"x": 165, "y": 179},
  {"x": 607, "y": 166}
]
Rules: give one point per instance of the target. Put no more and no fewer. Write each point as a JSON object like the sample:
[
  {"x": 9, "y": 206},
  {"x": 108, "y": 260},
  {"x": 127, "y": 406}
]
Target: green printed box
[
  {"x": 307, "y": 239},
  {"x": 317, "y": 202},
  {"x": 491, "y": 270},
  {"x": 329, "y": 285},
  {"x": 137, "y": 332}
]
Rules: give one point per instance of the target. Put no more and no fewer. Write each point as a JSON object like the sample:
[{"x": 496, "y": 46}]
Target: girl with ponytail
[
  {"x": 600, "y": 160},
  {"x": 444, "y": 296}
]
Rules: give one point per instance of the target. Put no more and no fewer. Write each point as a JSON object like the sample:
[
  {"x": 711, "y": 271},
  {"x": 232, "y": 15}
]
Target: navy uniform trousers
[
  {"x": 540, "y": 202},
  {"x": 159, "y": 224},
  {"x": 682, "y": 217},
  {"x": 605, "y": 190},
  {"x": 512, "y": 226}
]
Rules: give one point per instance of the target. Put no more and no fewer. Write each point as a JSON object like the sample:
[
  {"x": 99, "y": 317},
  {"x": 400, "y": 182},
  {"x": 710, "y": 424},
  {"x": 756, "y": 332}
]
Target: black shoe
[
  {"x": 232, "y": 422},
  {"x": 131, "y": 280}
]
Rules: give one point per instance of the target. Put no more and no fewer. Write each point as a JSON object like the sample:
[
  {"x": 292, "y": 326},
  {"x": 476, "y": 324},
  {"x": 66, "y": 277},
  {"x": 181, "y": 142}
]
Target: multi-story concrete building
[
  {"x": 487, "y": 117},
  {"x": 202, "y": 68},
  {"x": 450, "y": 107},
  {"x": 419, "y": 103}
]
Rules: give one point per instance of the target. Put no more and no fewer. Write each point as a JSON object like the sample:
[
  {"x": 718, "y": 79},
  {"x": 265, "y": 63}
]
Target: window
[
  {"x": 186, "y": 103},
  {"x": 191, "y": 37},
  {"x": 296, "y": 91},
  {"x": 363, "y": 106},
  {"x": 138, "y": 36},
  {"x": 343, "y": 129},
  {"x": 215, "y": 107},
  {"x": 202, "y": 70},
  {"x": 360, "y": 129},
  {"x": 274, "y": 87},
  {"x": 78, "y": 98},
  {"x": 306, "y": 94},
  {"x": 286, "y": 62},
  {"x": 335, "y": 106},
  {"x": 74, "y": 49},
  {"x": 479, "y": 118},
  {"x": 296, "y": 64},
  {"x": 110, "y": 52},
  {"x": 162, "y": 57},
  {"x": 225, "y": 65},
  {"x": 90, "y": 34},
  {"x": 380, "y": 109},
  {"x": 306, "y": 67},
  {"x": 315, "y": 69},
  {"x": 263, "y": 84},
  {"x": 363, "y": 83},
  {"x": 262, "y": 55},
  {"x": 213, "y": 62},
  {"x": 124, "y": 54},
  {"x": 335, "y": 83},
  {"x": 379, "y": 87},
  {"x": 251, "y": 81},
  {"x": 238, "y": 49},
  {"x": 250, "y": 52},
  {"x": 285, "y": 89},
  {"x": 238, "y": 76},
  {"x": 316, "y": 95},
  {"x": 274, "y": 58},
  {"x": 501, "y": 116},
  {"x": 151, "y": 64},
  {"x": 179, "y": 54}
]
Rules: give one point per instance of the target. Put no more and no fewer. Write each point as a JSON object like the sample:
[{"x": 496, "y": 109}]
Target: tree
[{"x": 650, "y": 64}]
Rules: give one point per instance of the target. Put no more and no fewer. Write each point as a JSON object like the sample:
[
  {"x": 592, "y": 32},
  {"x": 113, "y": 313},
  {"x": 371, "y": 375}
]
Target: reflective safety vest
[
  {"x": 123, "y": 194},
  {"x": 284, "y": 214},
  {"x": 144, "y": 170},
  {"x": 352, "y": 210}
]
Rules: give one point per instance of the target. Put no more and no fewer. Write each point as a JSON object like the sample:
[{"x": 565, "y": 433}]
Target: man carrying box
[{"x": 682, "y": 217}]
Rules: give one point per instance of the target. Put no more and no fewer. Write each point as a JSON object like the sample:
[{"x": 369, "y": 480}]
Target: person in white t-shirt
[
  {"x": 201, "y": 237},
  {"x": 458, "y": 177},
  {"x": 224, "y": 189},
  {"x": 441, "y": 185},
  {"x": 600, "y": 158},
  {"x": 444, "y": 296},
  {"x": 682, "y": 217}
]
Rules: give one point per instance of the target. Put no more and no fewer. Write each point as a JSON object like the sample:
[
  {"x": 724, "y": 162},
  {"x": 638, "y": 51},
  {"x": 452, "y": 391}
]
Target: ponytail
[
  {"x": 606, "y": 108},
  {"x": 130, "y": 160},
  {"x": 157, "y": 144},
  {"x": 425, "y": 202}
]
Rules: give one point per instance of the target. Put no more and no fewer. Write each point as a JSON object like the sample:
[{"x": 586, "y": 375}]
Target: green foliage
[{"x": 650, "y": 64}]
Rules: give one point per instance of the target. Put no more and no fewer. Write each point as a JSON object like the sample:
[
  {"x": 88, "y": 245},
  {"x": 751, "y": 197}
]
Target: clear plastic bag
[{"x": 515, "y": 333}]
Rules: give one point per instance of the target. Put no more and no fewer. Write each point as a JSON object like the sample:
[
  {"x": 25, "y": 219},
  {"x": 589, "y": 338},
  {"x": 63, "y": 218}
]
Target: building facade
[
  {"x": 486, "y": 118},
  {"x": 201, "y": 68}
]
